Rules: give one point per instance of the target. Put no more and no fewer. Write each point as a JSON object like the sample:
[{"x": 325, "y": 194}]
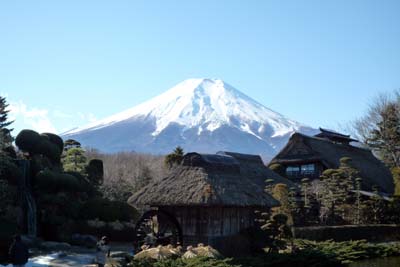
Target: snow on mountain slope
[{"x": 204, "y": 115}]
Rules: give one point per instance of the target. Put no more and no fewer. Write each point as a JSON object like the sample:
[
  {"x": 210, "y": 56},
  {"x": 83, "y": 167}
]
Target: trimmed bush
[
  {"x": 95, "y": 171},
  {"x": 108, "y": 211},
  {"x": 48, "y": 149},
  {"x": 45, "y": 144},
  {"x": 50, "y": 181},
  {"x": 27, "y": 140},
  {"x": 349, "y": 251},
  {"x": 55, "y": 139}
]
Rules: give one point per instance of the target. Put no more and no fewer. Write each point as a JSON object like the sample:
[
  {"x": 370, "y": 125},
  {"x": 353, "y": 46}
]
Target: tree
[
  {"x": 6, "y": 149},
  {"x": 4, "y": 123},
  {"x": 338, "y": 186},
  {"x": 385, "y": 138},
  {"x": 396, "y": 180},
  {"x": 379, "y": 128},
  {"x": 71, "y": 143},
  {"x": 75, "y": 160},
  {"x": 175, "y": 157},
  {"x": 281, "y": 193},
  {"x": 277, "y": 231},
  {"x": 305, "y": 185}
]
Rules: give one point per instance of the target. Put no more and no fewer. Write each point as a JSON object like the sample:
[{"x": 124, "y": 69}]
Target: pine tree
[
  {"x": 175, "y": 157},
  {"x": 281, "y": 193},
  {"x": 74, "y": 158},
  {"x": 5, "y": 133}
]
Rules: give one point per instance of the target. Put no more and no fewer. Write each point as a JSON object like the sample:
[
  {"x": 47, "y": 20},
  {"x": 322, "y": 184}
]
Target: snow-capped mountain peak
[{"x": 199, "y": 107}]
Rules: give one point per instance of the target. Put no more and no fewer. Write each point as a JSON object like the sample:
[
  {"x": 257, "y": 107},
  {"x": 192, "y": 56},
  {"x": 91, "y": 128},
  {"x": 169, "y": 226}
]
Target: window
[
  {"x": 290, "y": 170},
  {"x": 308, "y": 168}
]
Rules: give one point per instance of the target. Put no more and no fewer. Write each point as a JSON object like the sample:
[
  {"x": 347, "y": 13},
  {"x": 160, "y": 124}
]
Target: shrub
[
  {"x": 27, "y": 140},
  {"x": 278, "y": 168},
  {"x": 95, "y": 171},
  {"x": 193, "y": 262},
  {"x": 55, "y": 139},
  {"x": 349, "y": 251},
  {"x": 108, "y": 211},
  {"x": 50, "y": 181},
  {"x": 48, "y": 149}
]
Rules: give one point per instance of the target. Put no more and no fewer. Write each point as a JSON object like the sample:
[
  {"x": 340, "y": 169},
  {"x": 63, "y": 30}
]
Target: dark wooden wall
[{"x": 206, "y": 224}]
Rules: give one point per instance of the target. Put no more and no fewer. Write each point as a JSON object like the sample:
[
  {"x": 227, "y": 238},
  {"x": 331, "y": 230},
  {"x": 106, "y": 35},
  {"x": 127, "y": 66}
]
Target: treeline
[{"x": 127, "y": 172}]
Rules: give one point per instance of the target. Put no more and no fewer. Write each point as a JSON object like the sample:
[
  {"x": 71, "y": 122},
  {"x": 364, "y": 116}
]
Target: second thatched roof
[{"x": 222, "y": 179}]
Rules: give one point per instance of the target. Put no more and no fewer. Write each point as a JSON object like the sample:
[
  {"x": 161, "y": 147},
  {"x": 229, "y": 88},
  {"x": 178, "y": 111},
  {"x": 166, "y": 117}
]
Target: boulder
[
  {"x": 55, "y": 246},
  {"x": 88, "y": 241},
  {"x": 30, "y": 241}
]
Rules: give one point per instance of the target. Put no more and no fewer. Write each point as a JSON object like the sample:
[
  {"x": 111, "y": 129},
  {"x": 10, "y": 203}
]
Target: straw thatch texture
[{"x": 224, "y": 179}]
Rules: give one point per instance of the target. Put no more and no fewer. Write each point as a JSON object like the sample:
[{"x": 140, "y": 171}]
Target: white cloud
[{"x": 33, "y": 118}]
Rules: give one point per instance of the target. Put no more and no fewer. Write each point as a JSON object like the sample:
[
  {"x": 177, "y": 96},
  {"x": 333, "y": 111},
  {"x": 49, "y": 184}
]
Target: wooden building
[
  {"x": 308, "y": 156},
  {"x": 207, "y": 199}
]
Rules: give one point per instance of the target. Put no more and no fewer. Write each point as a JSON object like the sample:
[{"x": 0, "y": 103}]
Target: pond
[{"x": 381, "y": 262}]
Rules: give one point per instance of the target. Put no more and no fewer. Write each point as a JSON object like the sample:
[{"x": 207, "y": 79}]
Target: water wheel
[{"x": 157, "y": 227}]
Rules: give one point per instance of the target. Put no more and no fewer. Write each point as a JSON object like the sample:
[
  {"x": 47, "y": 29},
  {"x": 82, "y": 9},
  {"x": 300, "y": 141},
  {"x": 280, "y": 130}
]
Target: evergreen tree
[
  {"x": 5, "y": 133},
  {"x": 338, "y": 186},
  {"x": 74, "y": 158},
  {"x": 175, "y": 157},
  {"x": 5, "y": 138},
  {"x": 281, "y": 193}
]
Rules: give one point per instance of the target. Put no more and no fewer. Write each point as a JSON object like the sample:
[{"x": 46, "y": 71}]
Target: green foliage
[
  {"x": 349, "y": 251},
  {"x": 34, "y": 143},
  {"x": 193, "y": 262},
  {"x": 302, "y": 258},
  {"x": 55, "y": 139},
  {"x": 337, "y": 189},
  {"x": 95, "y": 172},
  {"x": 305, "y": 258},
  {"x": 50, "y": 181},
  {"x": 175, "y": 157},
  {"x": 71, "y": 143},
  {"x": 27, "y": 140},
  {"x": 108, "y": 211},
  {"x": 277, "y": 231},
  {"x": 74, "y": 160},
  {"x": 5, "y": 133},
  {"x": 281, "y": 193}
]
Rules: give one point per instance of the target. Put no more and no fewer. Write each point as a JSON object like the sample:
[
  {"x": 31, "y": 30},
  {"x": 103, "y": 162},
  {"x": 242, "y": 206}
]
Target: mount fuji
[{"x": 202, "y": 115}]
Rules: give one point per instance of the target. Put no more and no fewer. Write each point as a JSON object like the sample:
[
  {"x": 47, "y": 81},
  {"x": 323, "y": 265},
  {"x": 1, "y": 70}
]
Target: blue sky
[{"x": 65, "y": 63}]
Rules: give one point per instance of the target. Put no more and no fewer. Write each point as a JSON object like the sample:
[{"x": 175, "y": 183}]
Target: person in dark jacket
[{"x": 18, "y": 252}]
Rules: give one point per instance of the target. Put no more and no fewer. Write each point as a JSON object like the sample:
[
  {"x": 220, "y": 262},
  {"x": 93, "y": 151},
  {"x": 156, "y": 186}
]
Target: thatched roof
[
  {"x": 223, "y": 179},
  {"x": 315, "y": 149}
]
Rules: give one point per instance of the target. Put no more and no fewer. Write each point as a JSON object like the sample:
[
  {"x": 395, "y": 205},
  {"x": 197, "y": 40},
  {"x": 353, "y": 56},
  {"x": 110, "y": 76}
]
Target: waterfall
[{"x": 27, "y": 197}]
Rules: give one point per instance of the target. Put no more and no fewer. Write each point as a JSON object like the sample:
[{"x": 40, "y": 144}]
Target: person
[
  {"x": 18, "y": 252},
  {"x": 102, "y": 251}
]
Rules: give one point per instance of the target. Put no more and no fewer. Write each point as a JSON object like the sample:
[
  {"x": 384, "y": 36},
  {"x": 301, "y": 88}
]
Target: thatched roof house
[
  {"x": 307, "y": 156},
  {"x": 211, "y": 196},
  {"x": 223, "y": 179}
]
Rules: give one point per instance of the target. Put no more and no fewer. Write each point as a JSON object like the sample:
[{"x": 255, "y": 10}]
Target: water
[
  {"x": 381, "y": 262},
  {"x": 26, "y": 193}
]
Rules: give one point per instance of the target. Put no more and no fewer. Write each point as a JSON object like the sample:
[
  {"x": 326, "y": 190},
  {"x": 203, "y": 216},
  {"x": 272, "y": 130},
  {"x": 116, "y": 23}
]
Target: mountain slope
[{"x": 204, "y": 115}]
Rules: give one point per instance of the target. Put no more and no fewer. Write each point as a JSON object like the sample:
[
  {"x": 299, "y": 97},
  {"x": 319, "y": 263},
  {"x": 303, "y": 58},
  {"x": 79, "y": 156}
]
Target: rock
[
  {"x": 30, "y": 241},
  {"x": 120, "y": 254},
  {"x": 88, "y": 241},
  {"x": 55, "y": 246}
]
